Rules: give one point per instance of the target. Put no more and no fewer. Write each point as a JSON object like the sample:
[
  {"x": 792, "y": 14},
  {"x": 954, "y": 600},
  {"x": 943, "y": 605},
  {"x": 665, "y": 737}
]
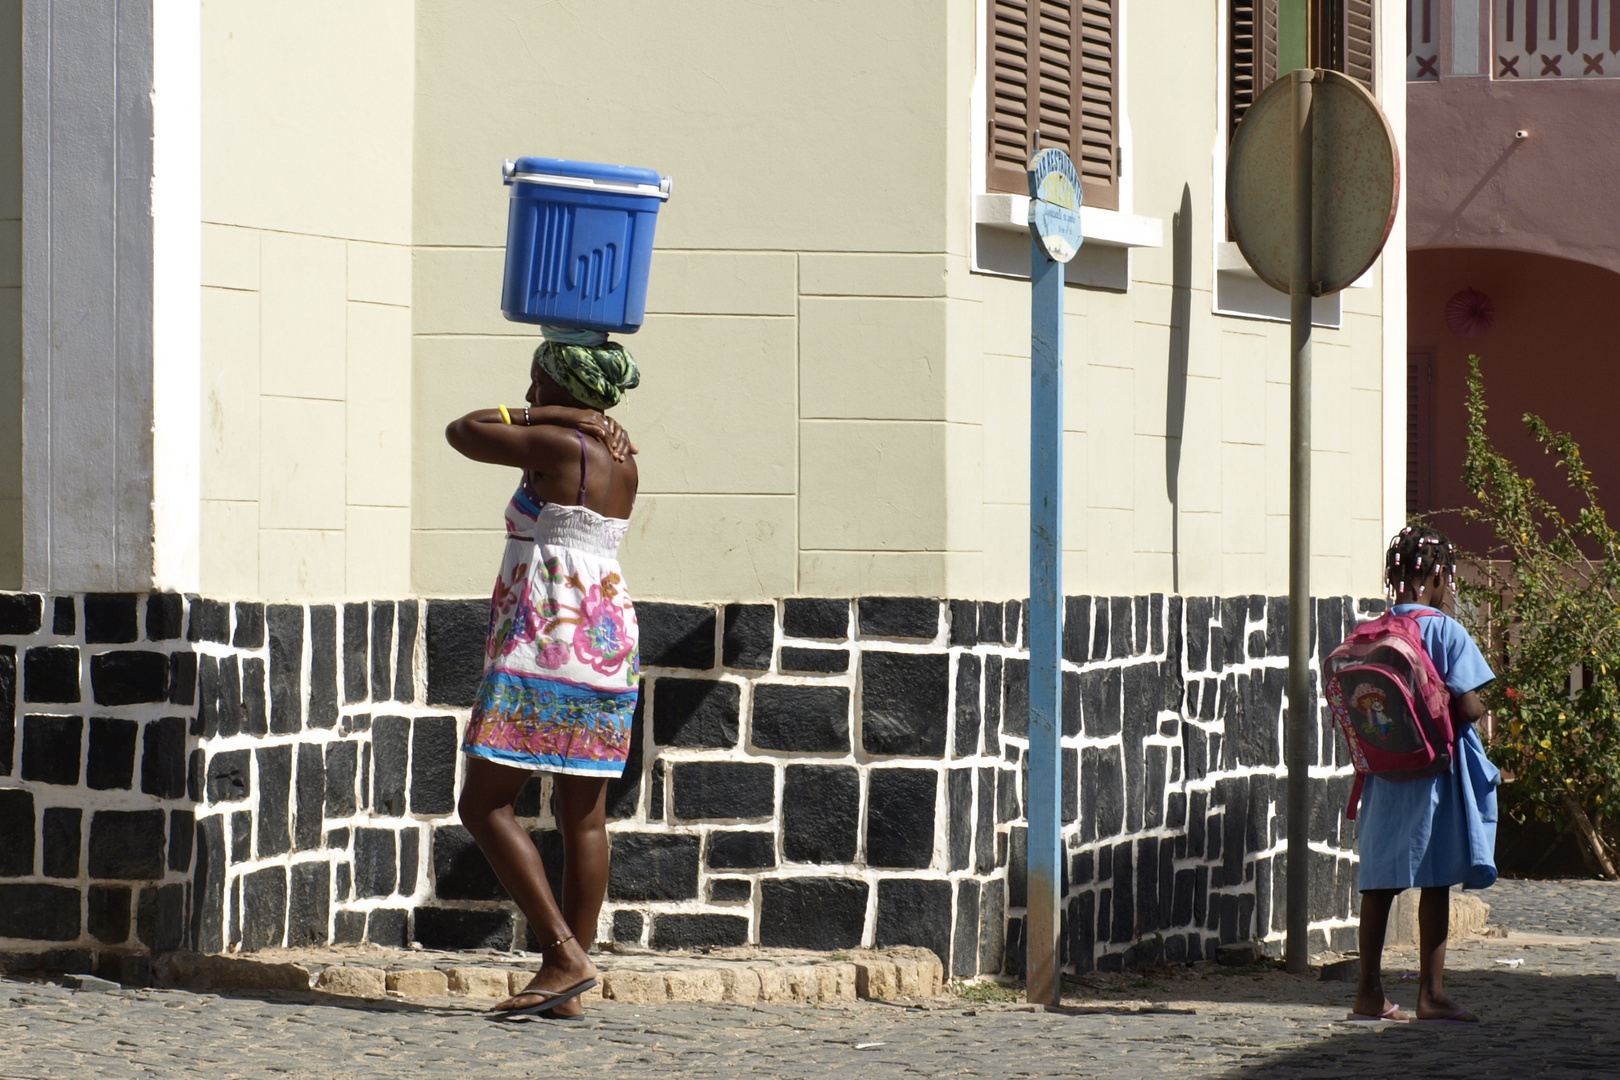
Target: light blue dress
[{"x": 1440, "y": 831}]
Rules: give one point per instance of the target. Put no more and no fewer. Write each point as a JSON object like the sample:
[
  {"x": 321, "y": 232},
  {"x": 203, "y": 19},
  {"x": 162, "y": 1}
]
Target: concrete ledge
[
  {"x": 738, "y": 976},
  {"x": 200, "y": 971},
  {"x": 347, "y": 981},
  {"x": 1469, "y": 917}
]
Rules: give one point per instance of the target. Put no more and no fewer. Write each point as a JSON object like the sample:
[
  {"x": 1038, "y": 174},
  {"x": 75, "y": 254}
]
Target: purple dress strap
[{"x": 581, "y": 435}]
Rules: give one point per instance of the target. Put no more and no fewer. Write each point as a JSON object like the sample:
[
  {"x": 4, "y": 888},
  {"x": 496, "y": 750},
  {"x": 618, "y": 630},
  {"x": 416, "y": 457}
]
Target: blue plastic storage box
[{"x": 579, "y": 241}]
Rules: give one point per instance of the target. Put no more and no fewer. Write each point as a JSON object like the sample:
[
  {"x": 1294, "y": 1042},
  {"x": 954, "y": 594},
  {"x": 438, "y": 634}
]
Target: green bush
[{"x": 1544, "y": 602}]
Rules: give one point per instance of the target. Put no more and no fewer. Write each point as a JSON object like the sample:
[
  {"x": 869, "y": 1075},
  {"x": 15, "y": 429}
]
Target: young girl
[
  {"x": 561, "y": 671},
  {"x": 1437, "y": 832}
]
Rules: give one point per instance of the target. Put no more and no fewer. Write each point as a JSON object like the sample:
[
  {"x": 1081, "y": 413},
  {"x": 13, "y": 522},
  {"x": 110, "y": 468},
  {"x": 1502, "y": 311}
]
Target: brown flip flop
[{"x": 548, "y": 1000}]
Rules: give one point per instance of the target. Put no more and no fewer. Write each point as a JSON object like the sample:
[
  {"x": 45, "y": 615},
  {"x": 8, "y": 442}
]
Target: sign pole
[
  {"x": 1054, "y": 238},
  {"x": 1302, "y": 288},
  {"x": 1045, "y": 622},
  {"x": 1342, "y": 216}
]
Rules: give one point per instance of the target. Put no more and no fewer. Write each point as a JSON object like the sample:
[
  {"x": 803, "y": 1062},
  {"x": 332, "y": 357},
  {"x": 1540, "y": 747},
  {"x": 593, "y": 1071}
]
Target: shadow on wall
[{"x": 1175, "y": 398}]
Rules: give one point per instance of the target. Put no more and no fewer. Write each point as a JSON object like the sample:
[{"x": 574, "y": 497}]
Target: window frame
[
  {"x": 1238, "y": 293},
  {"x": 998, "y": 178},
  {"x": 997, "y": 225}
]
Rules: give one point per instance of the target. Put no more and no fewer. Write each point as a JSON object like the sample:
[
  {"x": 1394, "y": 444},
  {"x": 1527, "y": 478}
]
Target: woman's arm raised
[{"x": 484, "y": 435}]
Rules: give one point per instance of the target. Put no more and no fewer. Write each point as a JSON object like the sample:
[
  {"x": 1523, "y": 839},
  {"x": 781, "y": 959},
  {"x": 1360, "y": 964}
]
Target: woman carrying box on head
[{"x": 561, "y": 668}]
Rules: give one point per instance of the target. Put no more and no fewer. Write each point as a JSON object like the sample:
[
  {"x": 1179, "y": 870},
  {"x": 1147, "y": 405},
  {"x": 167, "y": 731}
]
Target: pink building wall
[
  {"x": 1554, "y": 349},
  {"x": 1511, "y": 190},
  {"x": 1473, "y": 184}
]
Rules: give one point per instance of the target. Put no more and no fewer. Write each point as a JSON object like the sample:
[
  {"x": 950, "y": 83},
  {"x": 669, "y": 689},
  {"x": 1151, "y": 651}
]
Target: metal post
[
  {"x": 1300, "y": 712},
  {"x": 1045, "y": 872}
]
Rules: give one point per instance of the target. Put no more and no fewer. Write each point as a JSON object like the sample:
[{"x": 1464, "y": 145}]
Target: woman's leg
[
  {"x": 580, "y": 806},
  {"x": 486, "y": 810},
  {"x": 1434, "y": 926},
  {"x": 1375, "y": 905},
  {"x": 581, "y": 810}
]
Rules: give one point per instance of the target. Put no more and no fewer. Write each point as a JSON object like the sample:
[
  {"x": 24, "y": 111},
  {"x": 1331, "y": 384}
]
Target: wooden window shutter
[
  {"x": 1053, "y": 67},
  {"x": 1008, "y": 44},
  {"x": 1251, "y": 55},
  {"x": 1344, "y": 39},
  {"x": 1352, "y": 23},
  {"x": 1095, "y": 148}
]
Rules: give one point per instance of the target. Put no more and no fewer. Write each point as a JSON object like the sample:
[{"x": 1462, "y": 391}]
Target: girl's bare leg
[
  {"x": 1375, "y": 905},
  {"x": 486, "y": 811},
  {"x": 1434, "y": 926}
]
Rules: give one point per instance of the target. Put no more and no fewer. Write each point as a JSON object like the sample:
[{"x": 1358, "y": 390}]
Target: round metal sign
[
  {"x": 1355, "y": 185},
  {"x": 1054, "y": 204}
]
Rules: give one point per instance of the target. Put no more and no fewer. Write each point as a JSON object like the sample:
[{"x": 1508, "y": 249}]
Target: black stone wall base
[
  {"x": 817, "y": 773},
  {"x": 173, "y": 774}
]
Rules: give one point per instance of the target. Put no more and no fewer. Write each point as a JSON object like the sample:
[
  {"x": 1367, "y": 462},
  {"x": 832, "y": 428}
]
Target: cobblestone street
[{"x": 1552, "y": 1015}]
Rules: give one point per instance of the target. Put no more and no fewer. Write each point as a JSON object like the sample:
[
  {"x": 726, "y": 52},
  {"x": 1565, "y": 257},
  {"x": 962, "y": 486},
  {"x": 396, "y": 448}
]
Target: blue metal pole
[{"x": 1045, "y": 873}]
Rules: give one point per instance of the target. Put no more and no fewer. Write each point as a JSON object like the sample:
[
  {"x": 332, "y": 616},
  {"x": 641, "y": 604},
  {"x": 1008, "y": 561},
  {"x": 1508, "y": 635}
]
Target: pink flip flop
[{"x": 1388, "y": 1016}]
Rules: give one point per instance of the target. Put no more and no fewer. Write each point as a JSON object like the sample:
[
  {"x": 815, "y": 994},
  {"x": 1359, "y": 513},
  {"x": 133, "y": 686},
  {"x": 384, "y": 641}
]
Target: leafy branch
[{"x": 1545, "y": 598}]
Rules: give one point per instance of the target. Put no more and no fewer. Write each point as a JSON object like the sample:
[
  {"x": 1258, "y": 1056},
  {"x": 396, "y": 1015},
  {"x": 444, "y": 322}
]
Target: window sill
[
  {"x": 1240, "y": 292},
  {"x": 1109, "y": 228},
  {"x": 1001, "y": 235},
  {"x": 1229, "y": 260}
]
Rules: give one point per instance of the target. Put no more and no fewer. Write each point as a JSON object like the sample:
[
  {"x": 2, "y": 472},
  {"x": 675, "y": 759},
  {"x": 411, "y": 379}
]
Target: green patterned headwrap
[{"x": 596, "y": 374}]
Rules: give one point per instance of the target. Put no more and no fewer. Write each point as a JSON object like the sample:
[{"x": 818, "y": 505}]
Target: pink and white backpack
[{"x": 1390, "y": 702}]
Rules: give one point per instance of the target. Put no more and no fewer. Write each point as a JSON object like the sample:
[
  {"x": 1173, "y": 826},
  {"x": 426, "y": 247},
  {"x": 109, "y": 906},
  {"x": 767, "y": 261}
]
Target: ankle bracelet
[{"x": 554, "y": 944}]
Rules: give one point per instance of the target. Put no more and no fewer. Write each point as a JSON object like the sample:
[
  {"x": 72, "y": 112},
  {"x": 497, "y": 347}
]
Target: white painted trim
[
  {"x": 87, "y": 280},
  {"x": 1217, "y": 151},
  {"x": 36, "y": 308},
  {"x": 111, "y": 297},
  {"x": 1239, "y": 293},
  {"x": 1110, "y": 228},
  {"x": 176, "y": 294}
]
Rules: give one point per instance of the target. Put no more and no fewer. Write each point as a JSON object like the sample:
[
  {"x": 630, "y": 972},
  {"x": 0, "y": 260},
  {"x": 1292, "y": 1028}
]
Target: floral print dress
[{"x": 561, "y": 667}]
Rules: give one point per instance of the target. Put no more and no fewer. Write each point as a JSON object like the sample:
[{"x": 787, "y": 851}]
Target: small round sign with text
[{"x": 1054, "y": 205}]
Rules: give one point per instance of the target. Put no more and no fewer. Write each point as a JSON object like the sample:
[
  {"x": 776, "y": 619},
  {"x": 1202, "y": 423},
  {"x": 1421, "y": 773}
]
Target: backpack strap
[
  {"x": 1355, "y": 797},
  {"x": 1429, "y": 612}
]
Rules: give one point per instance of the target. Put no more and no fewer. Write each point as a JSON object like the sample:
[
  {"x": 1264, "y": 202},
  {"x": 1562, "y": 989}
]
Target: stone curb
[{"x": 904, "y": 972}]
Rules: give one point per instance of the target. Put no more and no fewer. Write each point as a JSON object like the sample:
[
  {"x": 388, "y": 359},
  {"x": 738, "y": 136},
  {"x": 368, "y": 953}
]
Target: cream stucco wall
[
  {"x": 11, "y": 173},
  {"x": 833, "y": 402},
  {"x": 1177, "y": 419},
  {"x": 787, "y": 347},
  {"x": 306, "y": 264}
]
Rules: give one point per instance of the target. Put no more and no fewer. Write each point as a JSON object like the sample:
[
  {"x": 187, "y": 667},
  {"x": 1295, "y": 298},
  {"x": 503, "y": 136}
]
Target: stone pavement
[
  {"x": 1552, "y": 1015},
  {"x": 1583, "y": 908}
]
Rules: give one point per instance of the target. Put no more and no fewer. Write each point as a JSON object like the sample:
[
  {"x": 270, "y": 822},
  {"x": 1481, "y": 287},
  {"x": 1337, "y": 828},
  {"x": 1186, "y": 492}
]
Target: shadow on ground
[{"x": 1534, "y": 1026}]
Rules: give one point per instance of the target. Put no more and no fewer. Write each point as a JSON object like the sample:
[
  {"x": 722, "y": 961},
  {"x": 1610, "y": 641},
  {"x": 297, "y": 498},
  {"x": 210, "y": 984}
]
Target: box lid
[{"x": 626, "y": 179}]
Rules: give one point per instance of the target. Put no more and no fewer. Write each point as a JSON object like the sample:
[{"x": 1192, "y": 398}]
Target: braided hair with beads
[{"x": 1417, "y": 555}]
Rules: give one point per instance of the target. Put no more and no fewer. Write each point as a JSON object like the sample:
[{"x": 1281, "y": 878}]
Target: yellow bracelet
[{"x": 506, "y": 417}]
